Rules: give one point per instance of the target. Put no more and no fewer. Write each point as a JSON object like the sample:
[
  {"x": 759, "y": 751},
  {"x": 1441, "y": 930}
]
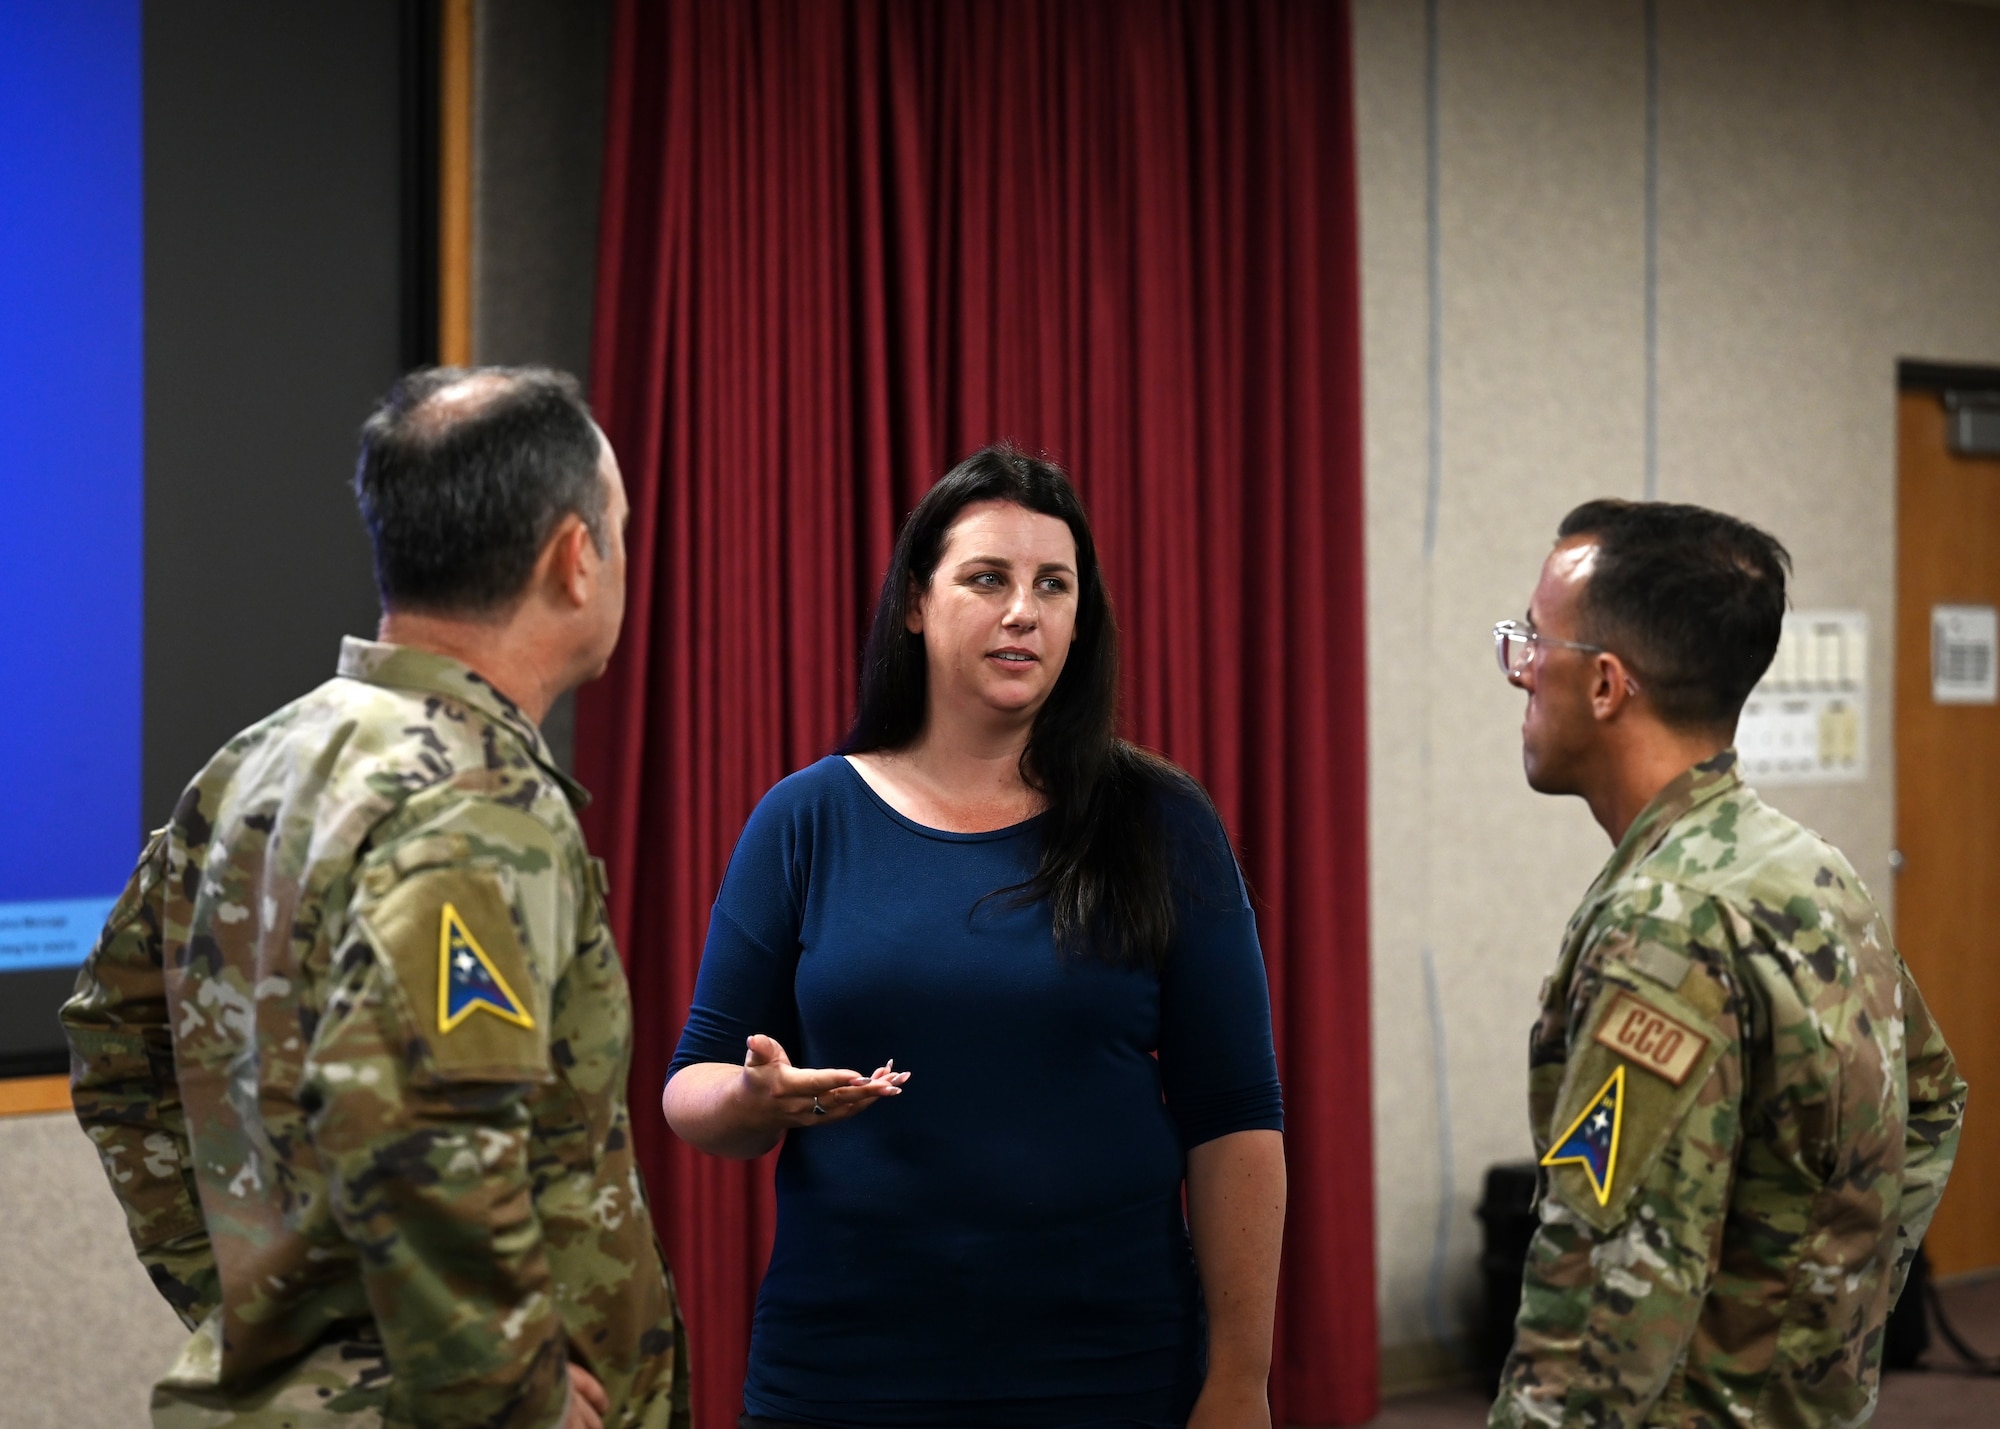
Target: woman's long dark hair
[{"x": 1105, "y": 867}]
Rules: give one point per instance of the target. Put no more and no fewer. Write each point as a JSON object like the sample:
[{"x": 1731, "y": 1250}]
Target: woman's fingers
[
  {"x": 818, "y": 1081},
  {"x": 811, "y": 1096},
  {"x": 837, "y": 1095},
  {"x": 842, "y": 1099},
  {"x": 841, "y": 1102}
]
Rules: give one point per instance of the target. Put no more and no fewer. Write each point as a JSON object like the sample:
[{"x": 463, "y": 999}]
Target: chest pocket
[{"x": 1640, "y": 1078}]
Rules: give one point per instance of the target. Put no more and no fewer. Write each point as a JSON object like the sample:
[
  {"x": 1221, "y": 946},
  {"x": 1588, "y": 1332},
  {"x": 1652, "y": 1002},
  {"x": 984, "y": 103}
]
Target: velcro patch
[
  {"x": 467, "y": 980},
  {"x": 1649, "y": 1038},
  {"x": 475, "y": 1004},
  {"x": 1592, "y": 1139},
  {"x": 1662, "y": 965}
]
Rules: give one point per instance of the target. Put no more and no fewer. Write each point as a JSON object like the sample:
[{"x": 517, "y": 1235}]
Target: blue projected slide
[{"x": 70, "y": 482}]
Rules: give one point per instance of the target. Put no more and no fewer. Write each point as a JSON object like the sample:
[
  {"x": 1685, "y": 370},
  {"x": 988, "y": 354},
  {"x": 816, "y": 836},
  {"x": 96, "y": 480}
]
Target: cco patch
[
  {"x": 1649, "y": 1038},
  {"x": 1631, "y": 1083}
]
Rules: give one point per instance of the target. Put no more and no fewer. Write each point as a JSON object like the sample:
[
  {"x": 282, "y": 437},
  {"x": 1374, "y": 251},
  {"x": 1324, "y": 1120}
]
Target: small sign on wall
[
  {"x": 1965, "y": 639},
  {"x": 1807, "y": 720}
]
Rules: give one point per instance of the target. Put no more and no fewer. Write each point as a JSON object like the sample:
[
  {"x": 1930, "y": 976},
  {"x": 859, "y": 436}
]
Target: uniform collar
[
  {"x": 404, "y": 667},
  {"x": 1702, "y": 784}
]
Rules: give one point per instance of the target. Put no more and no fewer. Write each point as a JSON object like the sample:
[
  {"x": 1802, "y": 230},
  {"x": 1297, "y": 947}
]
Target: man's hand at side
[{"x": 588, "y": 1402}]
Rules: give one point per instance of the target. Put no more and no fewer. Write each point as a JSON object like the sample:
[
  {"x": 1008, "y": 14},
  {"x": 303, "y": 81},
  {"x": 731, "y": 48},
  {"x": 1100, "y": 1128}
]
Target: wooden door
[{"x": 1947, "y": 906}]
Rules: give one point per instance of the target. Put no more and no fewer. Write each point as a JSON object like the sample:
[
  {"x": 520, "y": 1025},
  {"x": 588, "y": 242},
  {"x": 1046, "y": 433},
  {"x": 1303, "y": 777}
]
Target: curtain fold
[{"x": 842, "y": 246}]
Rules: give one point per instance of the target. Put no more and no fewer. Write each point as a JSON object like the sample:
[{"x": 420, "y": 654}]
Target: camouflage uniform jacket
[
  {"x": 352, "y": 1048},
  {"x": 1746, "y": 1116}
]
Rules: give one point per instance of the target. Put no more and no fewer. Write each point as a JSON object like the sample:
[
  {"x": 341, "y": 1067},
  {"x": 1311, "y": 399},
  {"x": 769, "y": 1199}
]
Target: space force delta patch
[
  {"x": 468, "y": 982},
  {"x": 1592, "y": 1139},
  {"x": 1646, "y": 1036}
]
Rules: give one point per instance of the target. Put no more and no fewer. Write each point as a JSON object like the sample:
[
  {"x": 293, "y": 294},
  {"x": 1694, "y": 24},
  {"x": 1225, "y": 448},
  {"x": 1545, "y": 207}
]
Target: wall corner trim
[
  {"x": 454, "y": 256},
  {"x": 34, "y": 1096}
]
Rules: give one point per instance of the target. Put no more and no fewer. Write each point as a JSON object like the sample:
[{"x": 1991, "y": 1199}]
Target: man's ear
[
  {"x": 1612, "y": 686},
  {"x": 569, "y": 562}
]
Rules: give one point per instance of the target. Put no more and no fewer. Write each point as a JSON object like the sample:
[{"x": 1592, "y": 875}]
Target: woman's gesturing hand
[
  {"x": 811, "y": 1096},
  {"x": 740, "y": 1112}
]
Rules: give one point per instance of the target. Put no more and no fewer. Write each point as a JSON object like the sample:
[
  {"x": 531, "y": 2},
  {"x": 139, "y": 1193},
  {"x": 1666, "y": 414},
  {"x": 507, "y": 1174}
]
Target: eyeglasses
[{"x": 1514, "y": 646}]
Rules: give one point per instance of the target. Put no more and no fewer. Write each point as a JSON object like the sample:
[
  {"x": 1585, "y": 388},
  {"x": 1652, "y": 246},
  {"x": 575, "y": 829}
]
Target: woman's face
[{"x": 1000, "y": 611}]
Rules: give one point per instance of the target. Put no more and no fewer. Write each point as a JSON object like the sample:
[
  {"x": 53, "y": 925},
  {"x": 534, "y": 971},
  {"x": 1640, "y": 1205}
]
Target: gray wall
[
  {"x": 273, "y": 226},
  {"x": 83, "y": 1334},
  {"x": 538, "y": 162},
  {"x": 1825, "y": 206}
]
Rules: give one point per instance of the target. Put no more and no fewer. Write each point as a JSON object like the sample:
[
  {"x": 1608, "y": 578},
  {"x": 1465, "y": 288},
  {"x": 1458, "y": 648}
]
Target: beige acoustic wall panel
[
  {"x": 1390, "y": 142},
  {"x": 1541, "y": 171},
  {"x": 1538, "y": 406},
  {"x": 1827, "y": 208},
  {"x": 86, "y": 1333},
  {"x": 1777, "y": 391}
]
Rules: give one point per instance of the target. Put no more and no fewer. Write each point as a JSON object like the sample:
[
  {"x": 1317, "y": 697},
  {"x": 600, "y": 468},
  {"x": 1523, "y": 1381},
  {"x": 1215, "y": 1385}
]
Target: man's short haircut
[
  {"x": 461, "y": 490},
  {"x": 1692, "y": 599}
]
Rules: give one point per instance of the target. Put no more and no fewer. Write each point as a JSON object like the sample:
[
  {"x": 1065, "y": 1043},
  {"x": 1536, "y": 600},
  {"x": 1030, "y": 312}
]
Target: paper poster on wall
[
  {"x": 1807, "y": 720},
  {"x": 1963, "y": 650}
]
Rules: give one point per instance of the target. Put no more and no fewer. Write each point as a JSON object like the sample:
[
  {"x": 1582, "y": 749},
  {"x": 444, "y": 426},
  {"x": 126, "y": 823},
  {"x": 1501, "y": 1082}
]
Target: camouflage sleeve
[
  {"x": 1636, "y": 1184},
  {"x": 432, "y": 1039},
  {"x": 1930, "y": 1136},
  {"x": 126, "y": 1097}
]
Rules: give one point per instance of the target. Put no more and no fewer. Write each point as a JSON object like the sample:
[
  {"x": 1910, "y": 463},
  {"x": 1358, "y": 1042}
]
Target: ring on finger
[{"x": 818, "y": 1110}]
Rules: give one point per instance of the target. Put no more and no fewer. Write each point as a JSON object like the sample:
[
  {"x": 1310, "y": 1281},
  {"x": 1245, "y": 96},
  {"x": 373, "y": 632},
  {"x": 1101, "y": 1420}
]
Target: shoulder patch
[
  {"x": 1649, "y": 1038},
  {"x": 1592, "y": 1139},
  {"x": 475, "y": 1001},
  {"x": 467, "y": 980},
  {"x": 1639, "y": 1078}
]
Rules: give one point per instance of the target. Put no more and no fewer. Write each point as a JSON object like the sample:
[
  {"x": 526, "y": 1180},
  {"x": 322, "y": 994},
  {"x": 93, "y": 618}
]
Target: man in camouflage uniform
[
  {"x": 1743, "y": 1109},
  {"x": 353, "y": 1044}
]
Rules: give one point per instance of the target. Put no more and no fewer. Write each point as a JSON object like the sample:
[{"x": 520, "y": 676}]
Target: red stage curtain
[{"x": 845, "y": 244}]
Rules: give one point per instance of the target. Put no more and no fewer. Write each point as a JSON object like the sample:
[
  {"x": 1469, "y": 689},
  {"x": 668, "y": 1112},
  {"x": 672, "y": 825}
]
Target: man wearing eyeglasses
[{"x": 1744, "y": 1112}]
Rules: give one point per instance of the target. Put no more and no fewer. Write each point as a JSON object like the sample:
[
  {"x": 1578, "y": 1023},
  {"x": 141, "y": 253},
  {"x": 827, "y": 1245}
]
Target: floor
[{"x": 1940, "y": 1395}]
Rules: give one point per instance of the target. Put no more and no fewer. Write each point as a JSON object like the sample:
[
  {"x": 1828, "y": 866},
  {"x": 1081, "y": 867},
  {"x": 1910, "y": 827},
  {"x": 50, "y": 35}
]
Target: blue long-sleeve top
[{"x": 1004, "y": 1242}]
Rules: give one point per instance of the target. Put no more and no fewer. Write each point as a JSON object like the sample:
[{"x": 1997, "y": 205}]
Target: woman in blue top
[{"x": 1046, "y": 927}]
